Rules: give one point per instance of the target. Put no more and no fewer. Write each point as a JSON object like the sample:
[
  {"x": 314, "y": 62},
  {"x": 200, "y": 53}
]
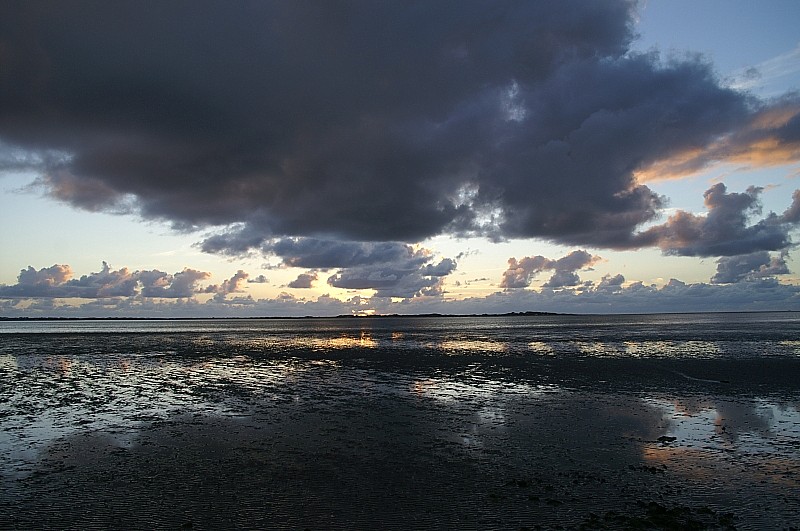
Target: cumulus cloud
[
  {"x": 303, "y": 280},
  {"x": 57, "y": 282},
  {"x": 521, "y": 272},
  {"x": 726, "y": 229},
  {"x": 393, "y": 269},
  {"x": 260, "y": 279},
  {"x": 792, "y": 214},
  {"x": 274, "y": 119},
  {"x": 160, "y": 284},
  {"x": 231, "y": 285},
  {"x": 610, "y": 283},
  {"x": 412, "y": 277},
  {"x": 749, "y": 266},
  {"x": 46, "y": 276}
]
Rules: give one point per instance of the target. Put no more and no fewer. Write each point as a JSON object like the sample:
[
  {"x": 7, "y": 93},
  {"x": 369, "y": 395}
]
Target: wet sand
[{"x": 366, "y": 439}]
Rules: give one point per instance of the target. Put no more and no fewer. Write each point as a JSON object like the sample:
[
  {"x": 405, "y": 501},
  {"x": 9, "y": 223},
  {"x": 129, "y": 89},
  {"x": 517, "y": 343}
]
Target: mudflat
[{"x": 193, "y": 431}]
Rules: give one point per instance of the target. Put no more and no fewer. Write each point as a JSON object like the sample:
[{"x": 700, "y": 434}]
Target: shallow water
[{"x": 489, "y": 422}]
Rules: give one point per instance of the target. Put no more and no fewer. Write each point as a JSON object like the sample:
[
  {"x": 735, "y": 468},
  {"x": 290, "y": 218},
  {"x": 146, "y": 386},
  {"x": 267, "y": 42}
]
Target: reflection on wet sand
[
  {"x": 364, "y": 340},
  {"x": 540, "y": 347},
  {"x": 793, "y": 344},
  {"x": 748, "y": 424},
  {"x": 240, "y": 441},
  {"x": 457, "y": 346}
]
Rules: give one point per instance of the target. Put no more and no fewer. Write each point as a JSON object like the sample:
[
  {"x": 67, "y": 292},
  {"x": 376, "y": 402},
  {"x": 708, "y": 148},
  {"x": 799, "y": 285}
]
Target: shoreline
[{"x": 389, "y": 316}]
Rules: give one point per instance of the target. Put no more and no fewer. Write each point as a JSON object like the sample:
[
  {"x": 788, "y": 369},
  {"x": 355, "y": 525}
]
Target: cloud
[
  {"x": 769, "y": 71},
  {"x": 47, "y": 276},
  {"x": 90, "y": 194},
  {"x": 520, "y": 272},
  {"x": 724, "y": 230},
  {"x": 365, "y": 121},
  {"x": 749, "y": 266},
  {"x": 401, "y": 279},
  {"x": 303, "y": 280},
  {"x": 610, "y": 283},
  {"x": 393, "y": 269},
  {"x": 328, "y": 253},
  {"x": 260, "y": 279},
  {"x": 769, "y": 137},
  {"x": 232, "y": 285},
  {"x": 792, "y": 214},
  {"x": 57, "y": 282},
  {"x": 676, "y": 296},
  {"x": 163, "y": 285},
  {"x": 757, "y": 292}
]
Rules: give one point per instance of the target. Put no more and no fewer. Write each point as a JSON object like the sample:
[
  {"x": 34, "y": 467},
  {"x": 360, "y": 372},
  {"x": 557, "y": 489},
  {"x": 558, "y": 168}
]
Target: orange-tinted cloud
[{"x": 770, "y": 138}]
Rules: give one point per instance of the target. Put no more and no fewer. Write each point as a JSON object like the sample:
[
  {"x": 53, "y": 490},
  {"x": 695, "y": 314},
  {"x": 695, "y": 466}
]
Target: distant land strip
[{"x": 376, "y": 316}]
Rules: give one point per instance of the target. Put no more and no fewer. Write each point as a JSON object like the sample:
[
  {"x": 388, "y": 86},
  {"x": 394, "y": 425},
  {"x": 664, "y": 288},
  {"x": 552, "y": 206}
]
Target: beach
[{"x": 370, "y": 424}]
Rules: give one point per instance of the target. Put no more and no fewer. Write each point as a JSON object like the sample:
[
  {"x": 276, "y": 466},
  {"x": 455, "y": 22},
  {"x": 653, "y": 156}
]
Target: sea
[{"x": 428, "y": 422}]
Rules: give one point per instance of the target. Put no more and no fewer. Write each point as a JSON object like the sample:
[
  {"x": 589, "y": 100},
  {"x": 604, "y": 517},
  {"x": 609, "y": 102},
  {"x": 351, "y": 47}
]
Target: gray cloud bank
[
  {"x": 379, "y": 121},
  {"x": 607, "y": 296},
  {"x": 741, "y": 283}
]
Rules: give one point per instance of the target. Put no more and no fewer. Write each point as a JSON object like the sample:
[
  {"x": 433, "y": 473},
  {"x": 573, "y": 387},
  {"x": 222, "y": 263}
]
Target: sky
[{"x": 197, "y": 159}]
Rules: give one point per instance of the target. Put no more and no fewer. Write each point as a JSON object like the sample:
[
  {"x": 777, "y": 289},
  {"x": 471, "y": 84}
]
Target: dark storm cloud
[
  {"x": 726, "y": 229},
  {"x": 57, "y": 282},
  {"x": 368, "y": 121},
  {"x": 749, "y": 266},
  {"x": 90, "y": 194},
  {"x": 520, "y": 272}
]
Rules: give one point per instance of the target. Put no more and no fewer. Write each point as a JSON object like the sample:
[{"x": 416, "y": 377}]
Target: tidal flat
[{"x": 420, "y": 424}]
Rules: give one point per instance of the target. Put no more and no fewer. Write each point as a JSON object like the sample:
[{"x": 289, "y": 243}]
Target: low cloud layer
[
  {"x": 373, "y": 121},
  {"x": 612, "y": 294}
]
